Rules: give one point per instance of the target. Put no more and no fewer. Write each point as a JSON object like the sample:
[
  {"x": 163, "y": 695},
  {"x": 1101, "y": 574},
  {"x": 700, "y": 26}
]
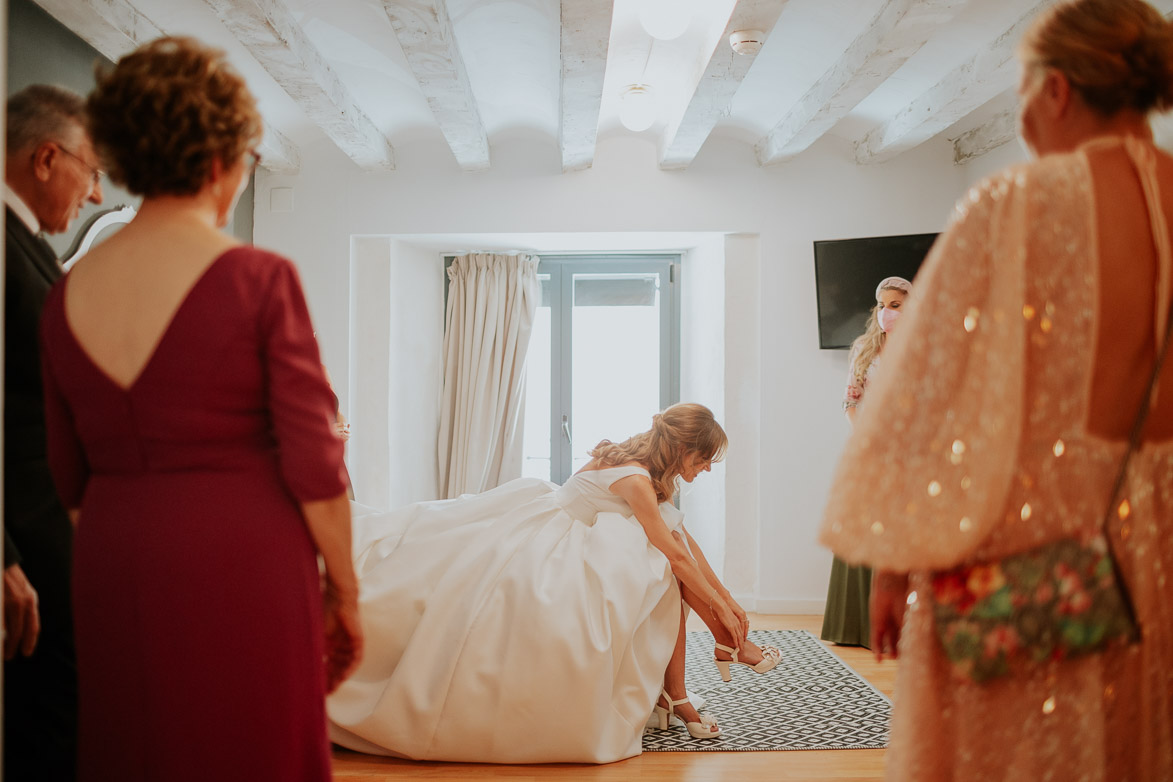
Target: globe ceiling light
[
  {"x": 665, "y": 19},
  {"x": 637, "y": 108}
]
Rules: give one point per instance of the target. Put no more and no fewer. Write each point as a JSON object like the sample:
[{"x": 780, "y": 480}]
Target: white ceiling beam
[
  {"x": 425, "y": 34},
  {"x": 968, "y": 86},
  {"x": 895, "y": 33},
  {"x": 717, "y": 85},
  {"x": 586, "y": 34},
  {"x": 267, "y": 29},
  {"x": 991, "y": 134},
  {"x": 1002, "y": 128},
  {"x": 115, "y": 28},
  {"x": 278, "y": 154}
]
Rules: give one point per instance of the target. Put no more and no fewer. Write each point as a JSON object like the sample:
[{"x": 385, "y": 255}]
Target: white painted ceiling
[{"x": 511, "y": 54}]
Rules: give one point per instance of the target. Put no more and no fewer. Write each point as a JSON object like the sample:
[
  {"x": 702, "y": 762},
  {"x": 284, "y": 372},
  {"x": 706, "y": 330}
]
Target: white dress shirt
[{"x": 17, "y": 205}]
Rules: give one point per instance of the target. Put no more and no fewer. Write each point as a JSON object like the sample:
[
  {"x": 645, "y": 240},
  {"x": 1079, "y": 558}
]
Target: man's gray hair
[{"x": 40, "y": 113}]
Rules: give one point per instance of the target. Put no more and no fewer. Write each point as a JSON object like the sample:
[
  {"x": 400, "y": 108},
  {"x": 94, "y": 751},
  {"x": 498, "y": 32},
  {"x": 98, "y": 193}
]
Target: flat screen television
[{"x": 847, "y": 272}]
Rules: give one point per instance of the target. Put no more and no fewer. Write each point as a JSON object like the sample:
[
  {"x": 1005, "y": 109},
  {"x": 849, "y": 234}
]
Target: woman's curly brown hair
[{"x": 167, "y": 110}]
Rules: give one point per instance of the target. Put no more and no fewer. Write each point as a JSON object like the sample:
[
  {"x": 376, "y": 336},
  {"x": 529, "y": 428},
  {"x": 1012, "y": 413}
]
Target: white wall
[
  {"x": 803, "y": 428},
  {"x": 782, "y": 394},
  {"x": 702, "y": 379},
  {"x": 396, "y": 332},
  {"x": 368, "y": 453},
  {"x": 994, "y": 161},
  {"x": 744, "y": 481}
]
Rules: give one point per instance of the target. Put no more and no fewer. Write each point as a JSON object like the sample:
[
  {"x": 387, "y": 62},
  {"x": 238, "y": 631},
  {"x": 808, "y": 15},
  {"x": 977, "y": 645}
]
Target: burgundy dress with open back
[{"x": 197, "y": 603}]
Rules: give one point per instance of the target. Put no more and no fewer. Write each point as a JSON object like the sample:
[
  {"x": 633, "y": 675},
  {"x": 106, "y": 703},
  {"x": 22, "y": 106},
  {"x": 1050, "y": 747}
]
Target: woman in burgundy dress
[{"x": 191, "y": 436}]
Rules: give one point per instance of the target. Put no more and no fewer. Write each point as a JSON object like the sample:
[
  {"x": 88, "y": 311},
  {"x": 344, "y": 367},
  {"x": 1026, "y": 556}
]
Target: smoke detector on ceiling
[{"x": 747, "y": 41}]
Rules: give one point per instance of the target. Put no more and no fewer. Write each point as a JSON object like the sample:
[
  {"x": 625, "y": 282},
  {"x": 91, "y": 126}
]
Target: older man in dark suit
[{"x": 51, "y": 171}]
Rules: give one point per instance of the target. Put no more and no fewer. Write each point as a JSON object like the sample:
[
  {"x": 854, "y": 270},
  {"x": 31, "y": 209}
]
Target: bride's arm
[
  {"x": 637, "y": 491},
  {"x": 711, "y": 577}
]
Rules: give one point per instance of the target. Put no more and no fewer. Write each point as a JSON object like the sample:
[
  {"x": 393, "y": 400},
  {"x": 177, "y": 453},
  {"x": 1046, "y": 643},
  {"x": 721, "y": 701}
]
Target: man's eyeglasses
[{"x": 95, "y": 173}]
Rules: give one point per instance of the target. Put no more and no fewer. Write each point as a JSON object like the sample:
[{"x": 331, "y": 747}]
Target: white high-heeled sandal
[
  {"x": 771, "y": 656},
  {"x": 698, "y": 730}
]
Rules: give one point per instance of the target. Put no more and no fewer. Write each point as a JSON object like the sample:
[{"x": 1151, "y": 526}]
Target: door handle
[{"x": 566, "y": 429}]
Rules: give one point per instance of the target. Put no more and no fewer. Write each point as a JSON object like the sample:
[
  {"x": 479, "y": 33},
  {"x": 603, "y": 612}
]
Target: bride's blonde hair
[{"x": 679, "y": 430}]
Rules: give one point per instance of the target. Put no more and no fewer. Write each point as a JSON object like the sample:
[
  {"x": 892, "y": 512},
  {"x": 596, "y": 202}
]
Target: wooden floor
[{"x": 823, "y": 765}]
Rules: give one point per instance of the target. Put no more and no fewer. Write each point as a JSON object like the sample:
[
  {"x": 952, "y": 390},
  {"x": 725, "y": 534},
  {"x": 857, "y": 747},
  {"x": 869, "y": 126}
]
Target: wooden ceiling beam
[
  {"x": 116, "y": 27},
  {"x": 267, "y": 29},
  {"x": 585, "y": 37},
  {"x": 718, "y": 84},
  {"x": 895, "y": 33},
  {"x": 426, "y": 36},
  {"x": 962, "y": 90}
]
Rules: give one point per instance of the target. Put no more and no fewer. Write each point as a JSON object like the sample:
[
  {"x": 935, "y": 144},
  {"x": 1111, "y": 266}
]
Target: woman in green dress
[{"x": 845, "y": 619}]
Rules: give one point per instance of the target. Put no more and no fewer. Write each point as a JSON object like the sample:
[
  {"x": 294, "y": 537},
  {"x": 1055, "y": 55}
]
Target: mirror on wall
[{"x": 97, "y": 228}]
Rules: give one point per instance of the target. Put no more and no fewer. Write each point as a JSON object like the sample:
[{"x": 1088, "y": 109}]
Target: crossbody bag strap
[
  {"x": 1146, "y": 405},
  {"x": 1141, "y": 417},
  {"x": 1145, "y": 169},
  {"x": 1134, "y": 441}
]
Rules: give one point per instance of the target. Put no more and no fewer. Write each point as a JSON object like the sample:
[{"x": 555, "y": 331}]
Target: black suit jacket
[
  {"x": 34, "y": 518},
  {"x": 40, "y": 692}
]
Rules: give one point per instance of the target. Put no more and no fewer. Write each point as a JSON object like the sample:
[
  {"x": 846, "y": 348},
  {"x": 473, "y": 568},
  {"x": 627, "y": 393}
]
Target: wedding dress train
[{"x": 528, "y": 624}]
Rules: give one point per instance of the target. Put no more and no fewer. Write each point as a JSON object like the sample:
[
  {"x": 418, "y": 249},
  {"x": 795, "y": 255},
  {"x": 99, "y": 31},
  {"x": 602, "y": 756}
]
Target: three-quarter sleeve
[
  {"x": 301, "y": 404},
  {"x": 924, "y": 477},
  {"x": 67, "y": 459}
]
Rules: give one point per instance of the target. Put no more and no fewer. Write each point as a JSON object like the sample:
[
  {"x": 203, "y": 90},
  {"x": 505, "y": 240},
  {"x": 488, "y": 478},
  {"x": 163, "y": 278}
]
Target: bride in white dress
[{"x": 535, "y": 623}]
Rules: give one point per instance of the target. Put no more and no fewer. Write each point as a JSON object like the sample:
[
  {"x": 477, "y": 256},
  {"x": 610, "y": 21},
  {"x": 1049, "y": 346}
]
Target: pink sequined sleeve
[{"x": 925, "y": 475}]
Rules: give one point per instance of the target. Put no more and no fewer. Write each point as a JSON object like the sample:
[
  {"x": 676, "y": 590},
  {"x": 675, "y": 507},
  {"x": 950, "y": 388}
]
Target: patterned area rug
[{"x": 812, "y": 700}]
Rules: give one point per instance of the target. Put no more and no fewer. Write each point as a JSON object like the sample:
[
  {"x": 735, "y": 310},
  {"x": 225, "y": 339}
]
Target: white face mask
[{"x": 887, "y": 317}]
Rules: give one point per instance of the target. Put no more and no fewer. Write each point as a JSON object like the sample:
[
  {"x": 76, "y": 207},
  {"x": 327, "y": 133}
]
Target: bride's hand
[
  {"x": 742, "y": 619},
  {"x": 343, "y": 635},
  {"x": 724, "y": 614}
]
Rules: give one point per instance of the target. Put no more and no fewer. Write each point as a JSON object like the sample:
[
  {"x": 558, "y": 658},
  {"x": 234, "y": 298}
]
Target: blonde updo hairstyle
[
  {"x": 1117, "y": 54},
  {"x": 678, "y": 431},
  {"x": 165, "y": 112}
]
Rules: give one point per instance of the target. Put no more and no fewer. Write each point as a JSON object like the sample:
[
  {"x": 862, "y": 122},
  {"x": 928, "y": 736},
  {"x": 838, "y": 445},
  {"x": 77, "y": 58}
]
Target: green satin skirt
[{"x": 845, "y": 620}]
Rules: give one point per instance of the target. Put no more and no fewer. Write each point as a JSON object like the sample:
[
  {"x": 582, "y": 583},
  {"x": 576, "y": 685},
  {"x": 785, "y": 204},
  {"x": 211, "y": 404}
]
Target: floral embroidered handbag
[
  {"x": 1063, "y": 599},
  {"x": 1060, "y": 600}
]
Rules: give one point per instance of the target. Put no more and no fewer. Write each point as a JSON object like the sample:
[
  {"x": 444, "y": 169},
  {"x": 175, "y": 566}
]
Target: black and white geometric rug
[{"x": 812, "y": 700}]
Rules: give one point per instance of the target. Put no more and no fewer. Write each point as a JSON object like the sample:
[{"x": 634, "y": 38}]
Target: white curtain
[{"x": 492, "y": 300}]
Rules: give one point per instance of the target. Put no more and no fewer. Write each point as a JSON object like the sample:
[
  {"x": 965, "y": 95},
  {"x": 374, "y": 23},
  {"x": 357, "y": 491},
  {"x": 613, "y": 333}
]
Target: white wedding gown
[{"x": 528, "y": 624}]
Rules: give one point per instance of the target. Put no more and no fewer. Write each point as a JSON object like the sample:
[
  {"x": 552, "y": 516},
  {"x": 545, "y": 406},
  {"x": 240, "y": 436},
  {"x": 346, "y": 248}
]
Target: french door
[{"x": 603, "y": 358}]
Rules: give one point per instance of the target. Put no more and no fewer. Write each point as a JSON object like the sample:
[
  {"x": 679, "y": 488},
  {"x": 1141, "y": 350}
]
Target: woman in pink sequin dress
[{"x": 1005, "y": 408}]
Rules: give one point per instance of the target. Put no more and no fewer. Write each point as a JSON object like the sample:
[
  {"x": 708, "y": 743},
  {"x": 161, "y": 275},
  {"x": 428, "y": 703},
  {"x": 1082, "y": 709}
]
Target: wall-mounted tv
[{"x": 847, "y": 272}]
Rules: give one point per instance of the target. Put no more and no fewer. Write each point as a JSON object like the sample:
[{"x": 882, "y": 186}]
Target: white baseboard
[
  {"x": 776, "y": 606},
  {"x": 765, "y": 605}
]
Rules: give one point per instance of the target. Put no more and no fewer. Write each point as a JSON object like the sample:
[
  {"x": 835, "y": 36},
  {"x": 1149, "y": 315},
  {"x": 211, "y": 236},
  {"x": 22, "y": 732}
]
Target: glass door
[{"x": 604, "y": 356}]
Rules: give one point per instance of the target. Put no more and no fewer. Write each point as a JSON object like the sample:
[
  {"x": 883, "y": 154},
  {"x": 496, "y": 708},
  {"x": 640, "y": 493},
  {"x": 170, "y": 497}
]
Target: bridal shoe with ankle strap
[
  {"x": 698, "y": 730},
  {"x": 771, "y": 656}
]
